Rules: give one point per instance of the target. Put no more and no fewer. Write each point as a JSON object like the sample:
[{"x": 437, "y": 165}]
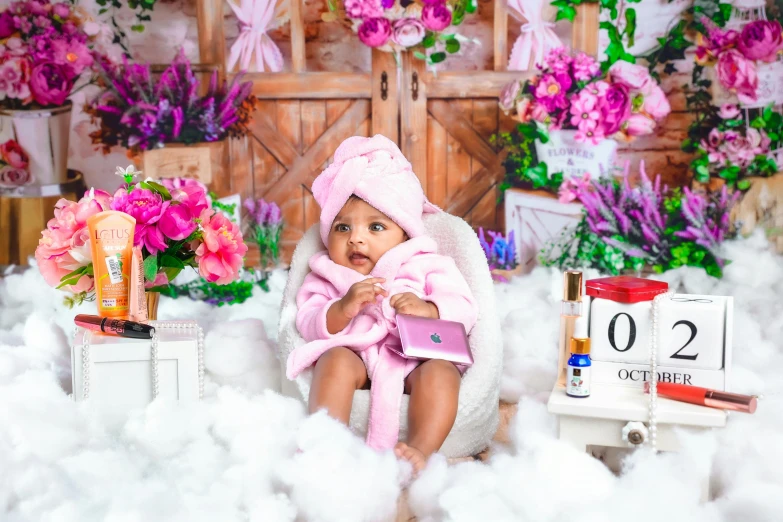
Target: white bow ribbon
[
  {"x": 255, "y": 18},
  {"x": 536, "y": 38}
]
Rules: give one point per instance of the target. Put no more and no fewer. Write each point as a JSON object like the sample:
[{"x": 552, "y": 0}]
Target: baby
[{"x": 378, "y": 263}]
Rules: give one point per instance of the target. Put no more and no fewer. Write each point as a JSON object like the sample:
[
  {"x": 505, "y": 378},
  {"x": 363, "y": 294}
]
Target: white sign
[{"x": 562, "y": 153}]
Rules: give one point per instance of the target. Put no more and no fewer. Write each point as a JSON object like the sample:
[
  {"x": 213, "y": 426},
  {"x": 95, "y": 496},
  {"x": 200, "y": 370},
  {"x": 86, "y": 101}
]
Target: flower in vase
[
  {"x": 219, "y": 255},
  {"x": 49, "y": 84},
  {"x": 559, "y": 60},
  {"x": 375, "y": 32},
  {"x": 593, "y": 136},
  {"x": 655, "y": 102},
  {"x": 363, "y": 9},
  {"x": 73, "y": 56},
  {"x": 509, "y": 94},
  {"x": 14, "y": 177},
  {"x": 631, "y": 75},
  {"x": 7, "y": 26},
  {"x": 408, "y": 32},
  {"x": 584, "y": 111},
  {"x": 190, "y": 192},
  {"x": 550, "y": 93},
  {"x": 597, "y": 89},
  {"x": 146, "y": 207},
  {"x": 15, "y": 78},
  {"x": 615, "y": 108},
  {"x": 436, "y": 17},
  {"x": 737, "y": 74},
  {"x": 177, "y": 222},
  {"x": 13, "y": 154},
  {"x": 572, "y": 187},
  {"x": 639, "y": 125},
  {"x": 585, "y": 67},
  {"x": 524, "y": 107},
  {"x": 760, "y": 40}
]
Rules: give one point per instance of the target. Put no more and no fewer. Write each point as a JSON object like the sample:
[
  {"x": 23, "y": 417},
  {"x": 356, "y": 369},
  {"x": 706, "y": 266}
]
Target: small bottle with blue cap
[{"x": 579, "y": 364}]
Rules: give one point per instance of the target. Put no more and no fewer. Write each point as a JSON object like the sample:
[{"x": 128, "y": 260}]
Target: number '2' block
[{"x": 692, "y": 330}]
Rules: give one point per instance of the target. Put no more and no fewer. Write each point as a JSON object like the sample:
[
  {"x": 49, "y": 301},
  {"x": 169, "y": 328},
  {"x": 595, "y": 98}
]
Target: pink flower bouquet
[
  {"x": 176, "y": 226},
  {"x": 572, "y": 93},
  {"x": 736, "y": 55},
  {"x": 45, "y": 48},
  {"x": 398, "y": 25}
]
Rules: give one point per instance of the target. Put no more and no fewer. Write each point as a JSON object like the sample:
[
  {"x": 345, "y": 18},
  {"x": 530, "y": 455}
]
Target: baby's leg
[
  {"x": 338, "y": 373},
  {"x": 434, "y": 391}
]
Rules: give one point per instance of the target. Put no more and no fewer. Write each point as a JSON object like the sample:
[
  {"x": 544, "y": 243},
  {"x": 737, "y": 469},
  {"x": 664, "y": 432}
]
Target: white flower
[{"x": 130, "y": 170}]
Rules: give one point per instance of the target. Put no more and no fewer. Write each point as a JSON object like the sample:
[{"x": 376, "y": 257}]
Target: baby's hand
[
  {"x": 360, "y": 295},
  {"x": 408, "y": 303}
]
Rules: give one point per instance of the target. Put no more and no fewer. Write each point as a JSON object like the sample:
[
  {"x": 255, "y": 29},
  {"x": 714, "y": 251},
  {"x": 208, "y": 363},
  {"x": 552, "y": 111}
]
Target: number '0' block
[
  {"x": 619, "y": 332},
  {"x": 692, "y": 331}
]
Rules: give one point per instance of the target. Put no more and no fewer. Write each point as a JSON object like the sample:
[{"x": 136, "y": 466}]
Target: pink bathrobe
[{"x": 413, "y": 266}]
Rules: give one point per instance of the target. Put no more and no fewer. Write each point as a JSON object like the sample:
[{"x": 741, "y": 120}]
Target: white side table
[{"x": 599, "y": 419}]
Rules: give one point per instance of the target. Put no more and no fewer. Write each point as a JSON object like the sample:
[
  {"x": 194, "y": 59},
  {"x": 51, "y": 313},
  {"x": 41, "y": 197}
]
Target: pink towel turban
[{"x": 375, "y": 170}]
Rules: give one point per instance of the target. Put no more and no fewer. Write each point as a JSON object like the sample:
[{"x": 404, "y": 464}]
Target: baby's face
[{"x": 360, "y": 235}]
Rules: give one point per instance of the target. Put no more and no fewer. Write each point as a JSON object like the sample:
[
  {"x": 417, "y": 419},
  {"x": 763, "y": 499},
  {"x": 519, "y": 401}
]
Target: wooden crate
[{"x": 207, "y": 162}]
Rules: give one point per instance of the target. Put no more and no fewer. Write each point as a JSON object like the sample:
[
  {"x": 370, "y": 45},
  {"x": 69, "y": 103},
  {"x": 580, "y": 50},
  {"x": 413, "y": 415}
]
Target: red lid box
[{"x": 625, "y": 289}]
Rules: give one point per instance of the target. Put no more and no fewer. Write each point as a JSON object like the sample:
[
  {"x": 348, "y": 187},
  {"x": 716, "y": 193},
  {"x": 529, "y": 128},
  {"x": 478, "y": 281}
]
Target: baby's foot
[{"x": 412, "y": 455}]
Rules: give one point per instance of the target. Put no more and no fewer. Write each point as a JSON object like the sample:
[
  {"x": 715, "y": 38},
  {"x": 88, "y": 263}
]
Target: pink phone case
[{"x": 423, "y": 338}]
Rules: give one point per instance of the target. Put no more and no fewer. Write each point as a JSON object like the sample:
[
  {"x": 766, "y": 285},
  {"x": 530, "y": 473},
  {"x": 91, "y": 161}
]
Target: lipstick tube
[
  {"x": 705, "y": 397},
  {"x": 111, "y": 326}
]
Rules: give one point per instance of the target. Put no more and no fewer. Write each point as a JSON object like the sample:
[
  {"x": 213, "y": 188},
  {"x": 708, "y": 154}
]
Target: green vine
[
  {"x": 142, "y": 8},
  {"x": 616, "y": 50}
]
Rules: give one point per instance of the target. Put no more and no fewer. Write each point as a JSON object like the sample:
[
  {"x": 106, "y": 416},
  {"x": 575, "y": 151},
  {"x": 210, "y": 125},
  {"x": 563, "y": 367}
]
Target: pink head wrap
[{"x": 375, "y": 170}]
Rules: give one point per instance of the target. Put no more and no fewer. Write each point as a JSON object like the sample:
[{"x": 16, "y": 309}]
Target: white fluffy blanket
[{"x": 477, "y": 416}]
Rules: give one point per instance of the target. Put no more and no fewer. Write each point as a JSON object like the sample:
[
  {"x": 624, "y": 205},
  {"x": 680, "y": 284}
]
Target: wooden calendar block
[
  {"x": 692, "y": 330},
  {"x": 619, "y": 332}
]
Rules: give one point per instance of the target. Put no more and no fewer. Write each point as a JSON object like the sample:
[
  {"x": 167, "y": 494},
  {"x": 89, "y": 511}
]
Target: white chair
[{"x": 477, "y": 415}]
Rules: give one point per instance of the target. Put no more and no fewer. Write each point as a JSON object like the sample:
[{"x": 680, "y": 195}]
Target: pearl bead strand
[
  {"x": 154, "y": 355},
  {"x": 654, "y": 339}
]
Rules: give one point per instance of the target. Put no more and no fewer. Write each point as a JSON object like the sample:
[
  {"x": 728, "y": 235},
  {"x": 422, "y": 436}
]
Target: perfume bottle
[
  {"x": 578, "y": 373},
  {"x": 570, "y": 309}
]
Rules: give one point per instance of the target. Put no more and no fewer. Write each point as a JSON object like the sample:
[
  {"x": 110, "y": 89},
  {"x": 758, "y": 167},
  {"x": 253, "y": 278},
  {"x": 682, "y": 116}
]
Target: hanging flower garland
[{"x": 401, "y": 25}]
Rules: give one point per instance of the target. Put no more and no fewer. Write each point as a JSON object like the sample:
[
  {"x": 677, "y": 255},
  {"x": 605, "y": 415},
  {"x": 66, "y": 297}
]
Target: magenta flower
[
  {"x": 551, "y": 93},
  {"x": 375, "y": 32},
  {"x": 72, "y": 55},
  {"x": 7, "y": 26},
  {"x": 738, "y": 74},
  {"x": 585, "y": 67},
  {"x": 49, "y": 84},
  {"x": 363, "y": 9},
  {"x": 584, "y": 111},
  {"x": 147, "y": 207},
  {"x": 761, "y": 40},
  {"x": 559, "y": 60},
  {"x": 615, "y": 108},
  {"x": 572, "y": 187},
  {"x": 593, "y": 136},
  {"x": 177, "y": 222},
  {"x": 436, "y": 17}
]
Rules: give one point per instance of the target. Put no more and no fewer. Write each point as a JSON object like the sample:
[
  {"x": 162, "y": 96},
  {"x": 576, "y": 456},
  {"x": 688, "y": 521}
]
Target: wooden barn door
[{"x": 441, "y": 122}]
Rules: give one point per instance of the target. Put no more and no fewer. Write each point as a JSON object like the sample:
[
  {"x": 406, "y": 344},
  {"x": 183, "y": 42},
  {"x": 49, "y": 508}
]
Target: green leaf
[
  {"x": 157, "y": 187},
  {"x": 630, "y": 25},
  {"x": 137, "y": 28},
  {"x": 614, "y": 51},
  {"x": 725, "y": 11},
  {"x": 767, "y": 113},
  {"x": 150, "y": 268},
  {"x": 556, "y": 3},
  {"x": 458, "y": 14},
  {"x": 169, "y": 261},
  {"x": 452, "y": 46},
  {"x": 758, "y": 123},
  {"x": 471, "y": 6},
  {"x": 437, "y": 57},
  {"x": 743, "y": 184},
  {"x": 528, "y": 130},
  {"x": 429, "y": 41},
  {"x": 566, "y": 13},
  {"x": 419, "y": 55}
]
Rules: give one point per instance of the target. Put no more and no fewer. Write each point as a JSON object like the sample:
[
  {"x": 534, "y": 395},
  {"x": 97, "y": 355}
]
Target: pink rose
[
  {"x": 539, "y": 113},
  {"x": 631, "y": 75},
  {"x": 375, "y": 32},
  {"x": 639, "y": 125},
  {"x": 11, "y": 176},
  {"x": 408, "y": 32},
  {"x": 363, "y": 9},
  {"x": 738, "y": 74},
  {"x": 760, "y": 40},
  {"x": 13, "y": 154},
  {"x": 15, "y": 77},
  {"x": 49, "y": 84},
  {"x": 190, "y": 192},
  {"x": 436, "y": 17},
  {"x": 729, "y": 111},
  {"x": 177, "y": 223},
  {"x": 655, "y": 102},
  {"x": 220, "y": 254},
  {"x": 508, "y": 96},
  {"x": 615, "y": 108}
]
